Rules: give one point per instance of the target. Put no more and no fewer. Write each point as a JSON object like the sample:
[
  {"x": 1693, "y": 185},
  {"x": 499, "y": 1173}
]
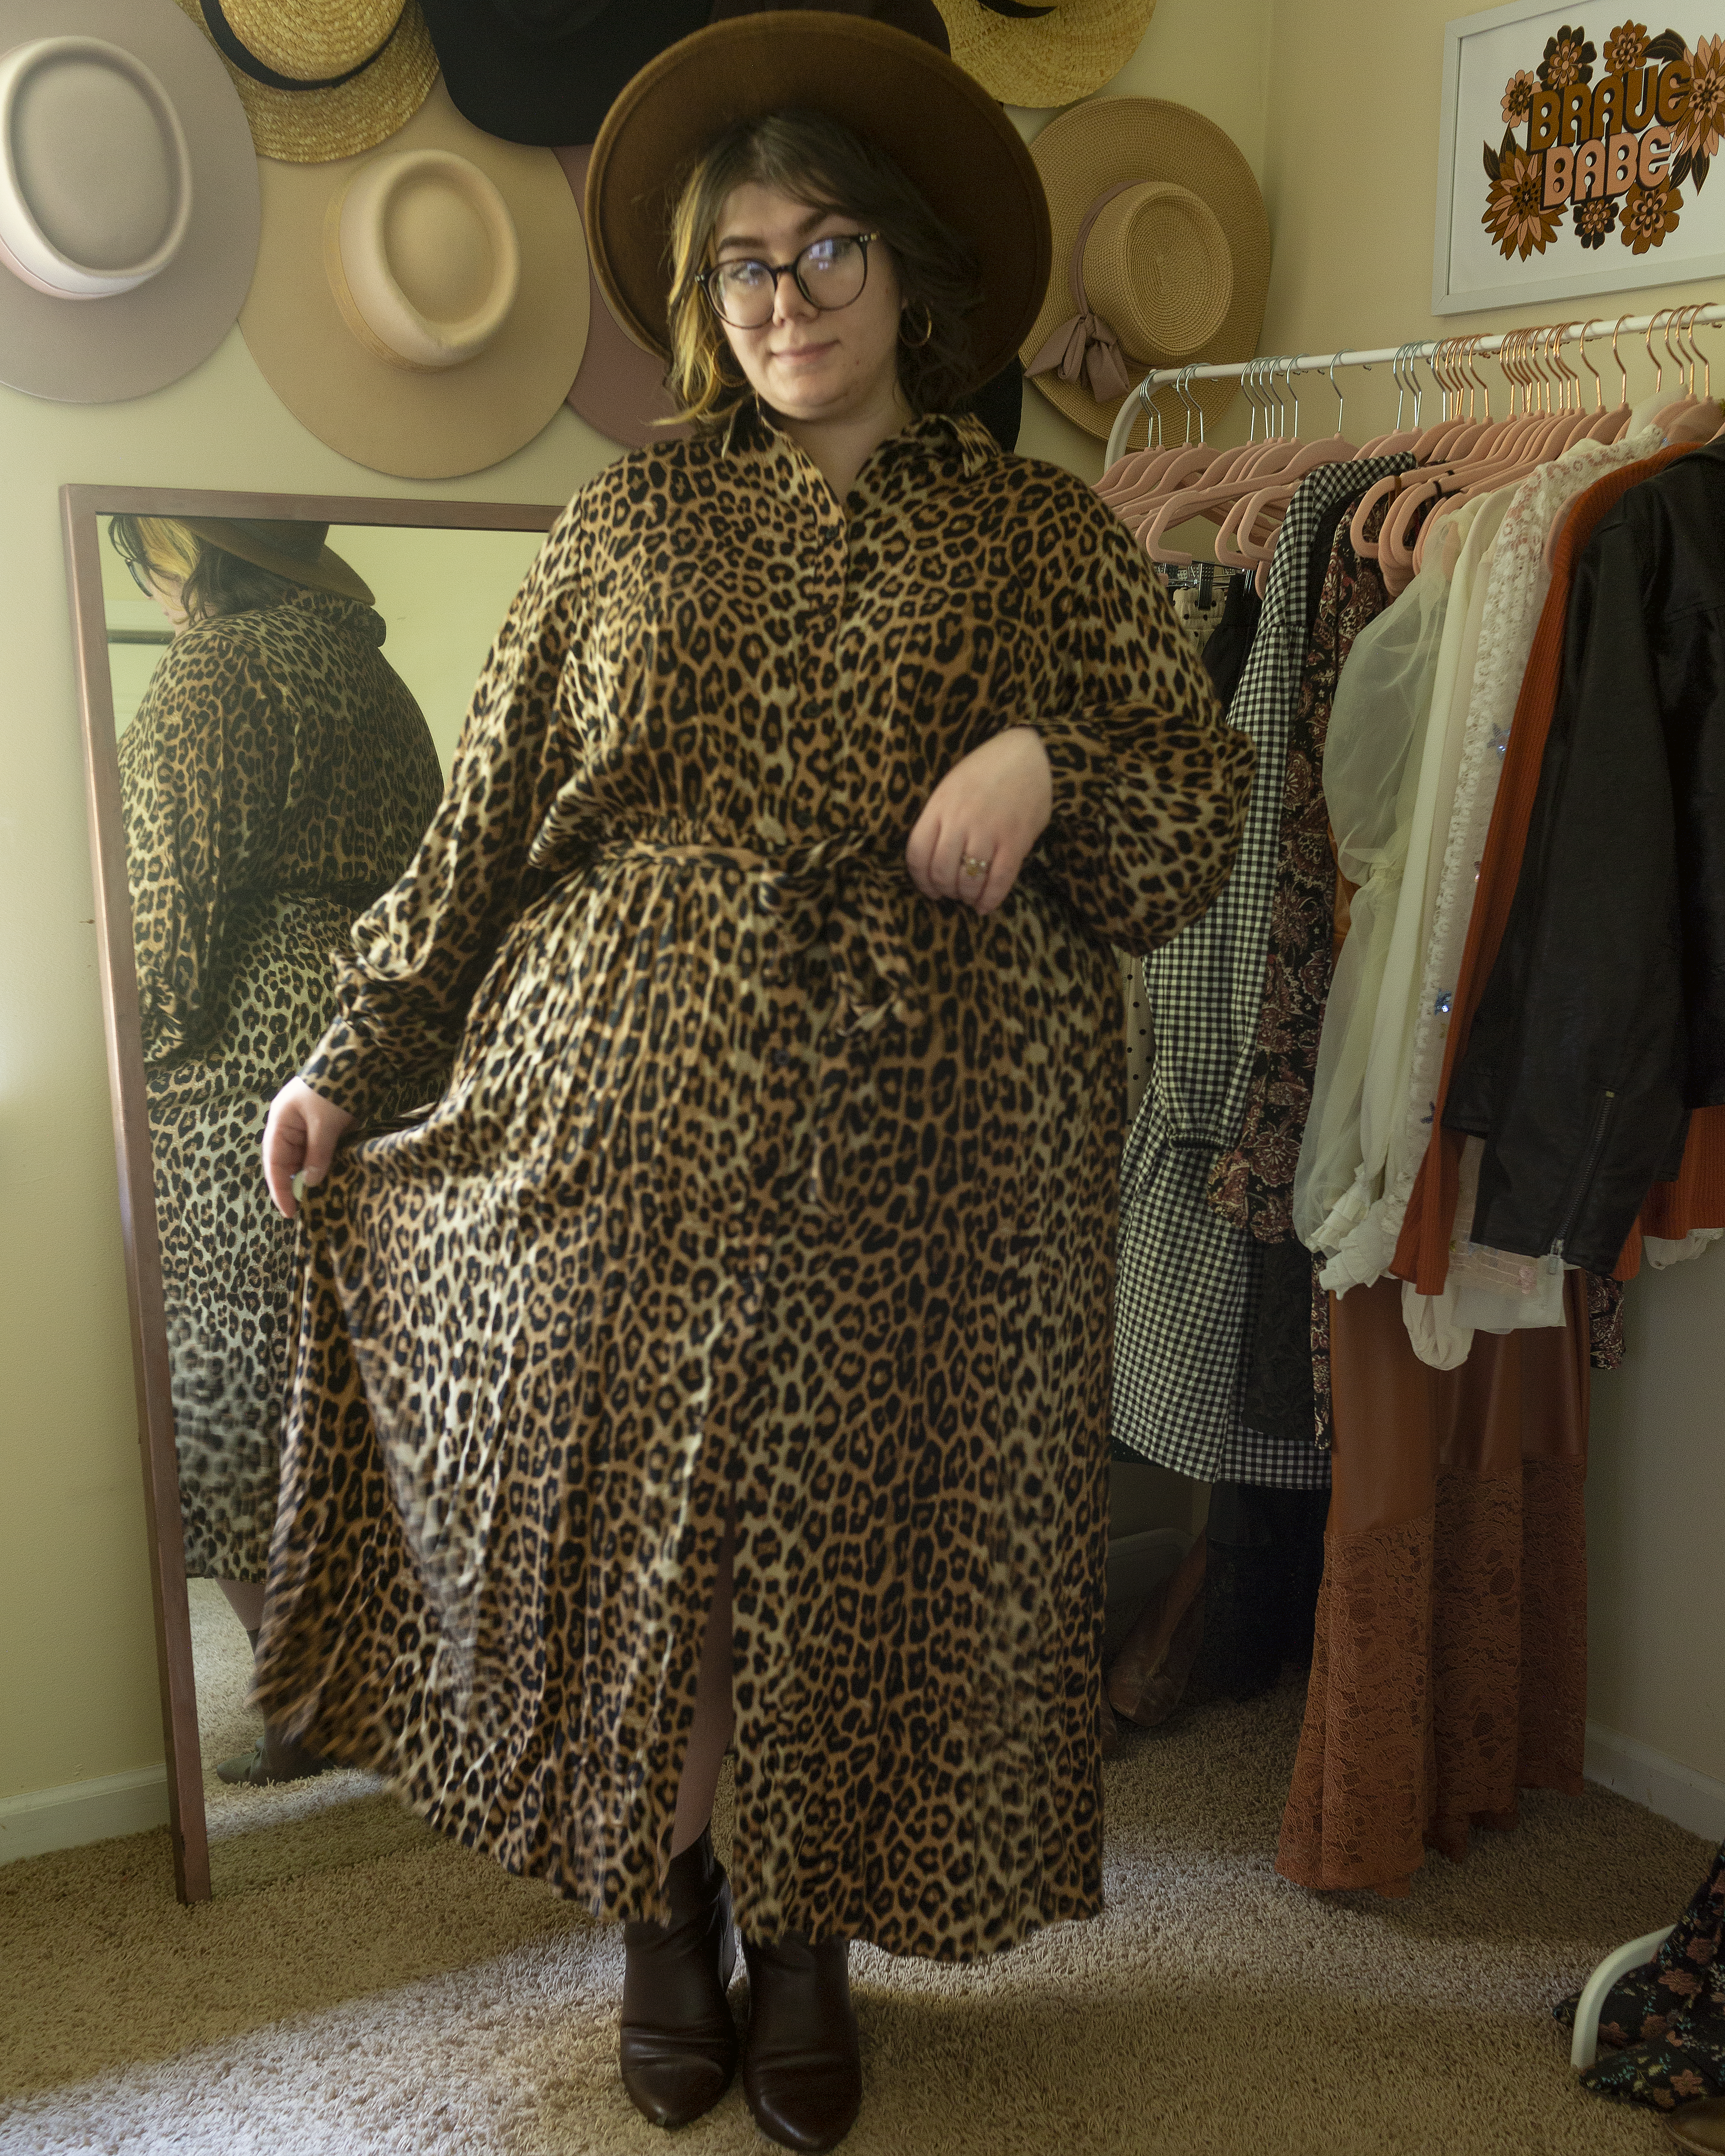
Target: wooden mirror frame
[{"x": 80, "y": 509}]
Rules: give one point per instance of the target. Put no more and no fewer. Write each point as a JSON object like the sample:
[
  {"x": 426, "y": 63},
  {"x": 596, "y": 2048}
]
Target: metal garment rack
[{"x": 1284, "y": 368}]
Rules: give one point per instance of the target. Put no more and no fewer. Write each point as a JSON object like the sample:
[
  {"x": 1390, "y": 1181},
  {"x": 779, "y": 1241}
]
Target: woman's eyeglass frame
[{"x": 794, "y": 268}]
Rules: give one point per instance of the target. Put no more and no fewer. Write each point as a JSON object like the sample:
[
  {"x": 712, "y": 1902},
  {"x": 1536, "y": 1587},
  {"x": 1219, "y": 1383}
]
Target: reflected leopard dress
[
  {"x": 764, "y": 1188},
  {"x": 277, "y": 776}
]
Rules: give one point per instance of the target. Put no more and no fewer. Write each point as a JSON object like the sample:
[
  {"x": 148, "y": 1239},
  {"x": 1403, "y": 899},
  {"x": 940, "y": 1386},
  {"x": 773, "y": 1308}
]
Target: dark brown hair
[
  {"x": 815, "y": 161},
  {"x": 212, "y": 582}
]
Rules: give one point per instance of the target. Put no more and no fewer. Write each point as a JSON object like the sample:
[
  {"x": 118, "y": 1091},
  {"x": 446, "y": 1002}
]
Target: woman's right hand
[{"x": 300, "y": 1139}]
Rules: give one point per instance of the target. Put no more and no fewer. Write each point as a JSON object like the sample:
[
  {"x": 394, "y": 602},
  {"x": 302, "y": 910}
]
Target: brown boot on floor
[
  {"x": 1149, "y": 1674},
  {"x": 679, "y": 2042},
  {"x": 1699, "y": 2126},
  {"x": 802, "y": 2065}
]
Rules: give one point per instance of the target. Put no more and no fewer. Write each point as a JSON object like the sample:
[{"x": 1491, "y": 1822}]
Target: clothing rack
[{"x": 1285, "y": 366}]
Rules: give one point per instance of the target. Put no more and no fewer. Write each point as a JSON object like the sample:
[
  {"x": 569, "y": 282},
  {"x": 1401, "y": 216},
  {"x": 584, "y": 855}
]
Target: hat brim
[
  {"x": 97, "y": 351},
  {"x": 328, "y": 573},
  {"x": 943, "y": 131},
  {"x": 313, "y": 127},
  {"x": 1080, "y": 155},
  {"x": 620, "y": 389},
  {"x": 1055, "y": 60},
  {"x": 393, "y": 418}
]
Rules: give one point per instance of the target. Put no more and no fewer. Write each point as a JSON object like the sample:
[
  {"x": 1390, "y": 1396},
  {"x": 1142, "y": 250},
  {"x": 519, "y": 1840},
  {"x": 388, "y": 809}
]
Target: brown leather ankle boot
[
  {"x": 802, "y": 2062},
  {"x": 678, "y": 2045}
]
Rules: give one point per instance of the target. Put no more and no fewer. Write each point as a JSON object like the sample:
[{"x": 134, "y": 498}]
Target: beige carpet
[{"x": 360, "y": 1986}]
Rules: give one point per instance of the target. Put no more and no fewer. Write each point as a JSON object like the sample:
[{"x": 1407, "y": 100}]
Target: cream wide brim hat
[
  {"x": 385, "y": 42},
  {"x": 1053, "y": 59},
  {"x": 1130, "y": 141},
  {"x": 418, "y": 422},
  {"x": 126, "y": 344}
]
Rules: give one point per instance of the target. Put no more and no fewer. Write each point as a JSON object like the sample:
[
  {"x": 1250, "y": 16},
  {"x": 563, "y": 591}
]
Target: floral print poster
[{"x": 1577, "y": 153}]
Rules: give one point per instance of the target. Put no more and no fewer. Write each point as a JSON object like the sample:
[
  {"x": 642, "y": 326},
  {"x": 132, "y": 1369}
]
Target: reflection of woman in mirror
[
  {"x": 277, "y": 776},
  {"x": 728, "y": 1355}
]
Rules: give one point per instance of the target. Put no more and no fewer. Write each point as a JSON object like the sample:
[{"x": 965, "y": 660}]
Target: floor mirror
[{"x": 271, "y": 689}]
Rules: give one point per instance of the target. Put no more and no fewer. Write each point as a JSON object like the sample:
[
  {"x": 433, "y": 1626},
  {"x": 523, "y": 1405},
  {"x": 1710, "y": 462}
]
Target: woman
[
  {"x": 276, "y": 777},
  {"x": 733, "y": 1341}
]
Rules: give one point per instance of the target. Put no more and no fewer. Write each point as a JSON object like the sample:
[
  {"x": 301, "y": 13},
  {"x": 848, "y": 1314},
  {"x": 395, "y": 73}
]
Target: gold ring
[{"x": 972, "y": 867}]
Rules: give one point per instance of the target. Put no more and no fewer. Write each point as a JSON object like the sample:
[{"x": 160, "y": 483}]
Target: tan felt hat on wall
[
  {"x": 423, "y": 310},
  {"x": 128, "y": 198},
  {"x": 321, "y": 79},
  {"x": 947, "y": 136},
  {"x": 1044, "y": 55},
  {"x": 1161, "y": 255}
]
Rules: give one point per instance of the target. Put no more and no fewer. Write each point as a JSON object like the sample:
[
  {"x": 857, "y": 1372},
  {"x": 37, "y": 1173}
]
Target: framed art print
[{"x": 1576, "y": 156}]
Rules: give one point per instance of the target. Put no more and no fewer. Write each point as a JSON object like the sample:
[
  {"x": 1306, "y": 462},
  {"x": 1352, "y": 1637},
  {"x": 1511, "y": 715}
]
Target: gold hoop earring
[{"x": 917, "y": 344}]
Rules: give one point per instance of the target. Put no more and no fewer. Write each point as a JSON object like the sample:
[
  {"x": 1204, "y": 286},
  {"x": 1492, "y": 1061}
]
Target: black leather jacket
[{"x": 1603, "y": 1023}]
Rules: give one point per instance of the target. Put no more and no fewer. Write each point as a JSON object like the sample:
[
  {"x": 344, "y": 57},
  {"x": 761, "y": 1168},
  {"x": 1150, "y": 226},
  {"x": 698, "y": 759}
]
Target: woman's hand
[
  {"x": 300, "y": 1139},
  {"x": 992, "y": 806}
]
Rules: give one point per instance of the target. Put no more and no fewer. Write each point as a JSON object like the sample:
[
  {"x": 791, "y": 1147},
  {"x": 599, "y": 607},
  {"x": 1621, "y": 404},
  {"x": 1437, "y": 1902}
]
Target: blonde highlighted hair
[{"x": 815, "y": 161}]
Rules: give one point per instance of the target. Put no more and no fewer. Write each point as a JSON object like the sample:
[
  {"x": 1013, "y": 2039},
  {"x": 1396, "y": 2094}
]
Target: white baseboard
[
  {"x": 1654, "y": 1778},
  {"x": 41, "y": 1820}
]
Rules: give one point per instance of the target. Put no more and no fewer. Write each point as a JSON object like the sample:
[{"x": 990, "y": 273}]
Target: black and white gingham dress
[{"x": 1188, "y": 1279}]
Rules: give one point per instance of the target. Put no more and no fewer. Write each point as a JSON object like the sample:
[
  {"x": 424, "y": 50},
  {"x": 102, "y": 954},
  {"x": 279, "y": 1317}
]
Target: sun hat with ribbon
[
  {"x": 1161, "y": 254},
  {"x": 128, "y": 198},
  {"x": 295, "y": 550},
  {"x": 422, "y": 310},
  {"x": 1044, "y": 55},
  {"x": 321, "y": 79},
  {"x": 947, "y": 136}
]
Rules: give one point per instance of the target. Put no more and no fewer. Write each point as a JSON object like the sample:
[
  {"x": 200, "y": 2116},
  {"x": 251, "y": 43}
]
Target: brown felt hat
[
  {"x": 295, "y": 551},
  {"x": 944, "y": 132}
]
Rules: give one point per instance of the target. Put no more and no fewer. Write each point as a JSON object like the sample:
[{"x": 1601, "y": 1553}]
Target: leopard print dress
[
  {"x": 277, "y": 776},
  {"x": 764, "y": 1189}
]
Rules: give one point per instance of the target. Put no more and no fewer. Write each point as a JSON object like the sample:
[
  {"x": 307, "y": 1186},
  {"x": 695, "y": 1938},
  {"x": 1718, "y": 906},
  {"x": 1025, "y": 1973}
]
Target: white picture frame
[{"x": 1545, "y": 229}]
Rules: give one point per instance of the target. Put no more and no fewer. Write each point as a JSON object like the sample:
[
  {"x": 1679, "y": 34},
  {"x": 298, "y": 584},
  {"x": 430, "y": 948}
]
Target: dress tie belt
[{"x": 830, "y": 894}]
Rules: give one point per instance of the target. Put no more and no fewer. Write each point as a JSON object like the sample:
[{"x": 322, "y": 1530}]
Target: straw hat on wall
[
  {"x": 945, "y": 134},
  {"x": 128, "y": 198},
  {"x": 423, "y": 311},
  {"x": 1161, "y": 254},
  {"x": 321, "y": 79},
  {"x": 1044, "y": 55}
]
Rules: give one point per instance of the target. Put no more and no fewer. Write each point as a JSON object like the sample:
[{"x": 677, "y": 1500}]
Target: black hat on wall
[{"x": 545, "y": 71}]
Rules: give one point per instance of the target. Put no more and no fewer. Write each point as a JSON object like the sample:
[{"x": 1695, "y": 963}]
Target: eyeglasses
[
  {"x": 140, "y": 578},
  {"x": 829, "y": 273}
]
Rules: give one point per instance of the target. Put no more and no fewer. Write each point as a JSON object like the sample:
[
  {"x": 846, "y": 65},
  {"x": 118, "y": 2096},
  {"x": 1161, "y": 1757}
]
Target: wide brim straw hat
[
  {"x": 545, "y": 71},
  {"x": 295, "y": 551},
  {"x": 945, "y": 133},
  {"x": 128, "y": 198},
  {"x": 423, "y": 310},
  {"x": 1044, "y": 55},
  {"x": 321, "y": 79},
  {"x": 1161, "y": 256}
]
